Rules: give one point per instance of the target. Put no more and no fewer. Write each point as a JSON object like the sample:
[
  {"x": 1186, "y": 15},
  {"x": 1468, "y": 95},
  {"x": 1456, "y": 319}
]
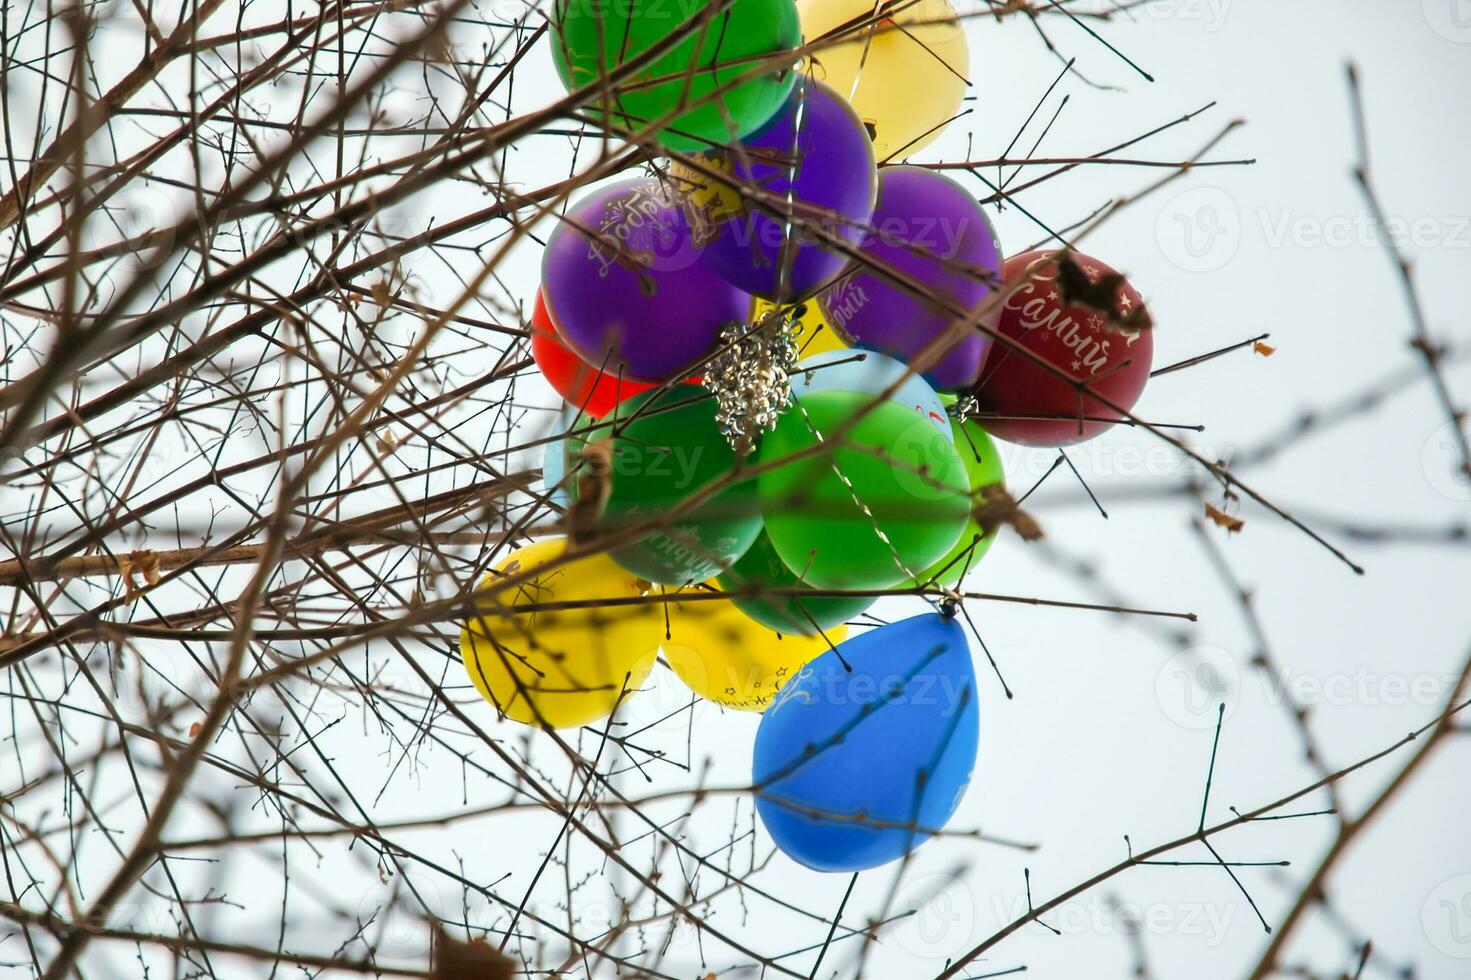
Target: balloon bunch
[{"x": 784, "y": 362}]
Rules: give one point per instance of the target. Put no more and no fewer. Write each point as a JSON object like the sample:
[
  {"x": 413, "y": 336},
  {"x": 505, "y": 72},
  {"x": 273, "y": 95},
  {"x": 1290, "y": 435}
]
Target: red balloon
[
  {"x": 578, "y": 382},
  {"x": 1038, "y": 408}
]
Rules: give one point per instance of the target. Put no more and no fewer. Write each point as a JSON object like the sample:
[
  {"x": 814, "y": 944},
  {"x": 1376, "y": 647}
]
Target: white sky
[
  {"x": 1101, "y": 741},
  {"x": 1106, "y": 735}
]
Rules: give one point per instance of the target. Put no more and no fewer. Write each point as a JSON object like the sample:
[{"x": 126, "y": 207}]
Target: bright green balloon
[
  {"x": 666, "y": 451},
  {"x": 983, "y": 469},
  {"x": 704, "y": 61},
  {"x": 906, "y": 476},
  {"x": 762, "y": 568}
]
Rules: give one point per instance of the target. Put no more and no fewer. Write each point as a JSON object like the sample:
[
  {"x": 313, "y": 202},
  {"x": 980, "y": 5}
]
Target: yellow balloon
[
  {"x": 727, "y": 657},
  {"x": 814, "y": 334},
  {"x": 560, "y": 668},
  {"x": 905, "y": 75}
]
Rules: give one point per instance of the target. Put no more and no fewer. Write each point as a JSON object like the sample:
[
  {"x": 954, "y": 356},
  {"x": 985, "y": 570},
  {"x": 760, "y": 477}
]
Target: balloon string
[
  {"x": 853, "y": 492},
  {"x": 863, "y": 56},
  {"x": 787, "y": 257}
]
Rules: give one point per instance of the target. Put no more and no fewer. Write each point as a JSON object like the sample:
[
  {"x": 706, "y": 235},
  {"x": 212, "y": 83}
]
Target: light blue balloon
[
  {"x": 873, "y": 373},
  {"x": 854, "y": 769},
  {"x": 555, "y": 454}
]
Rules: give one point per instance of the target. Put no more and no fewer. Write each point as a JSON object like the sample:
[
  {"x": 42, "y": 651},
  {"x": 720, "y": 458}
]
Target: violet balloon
[
  {"x": 815, "y": 163},
  {"x": 625, "y": 287},
  {"x": 929, "y": 230}
]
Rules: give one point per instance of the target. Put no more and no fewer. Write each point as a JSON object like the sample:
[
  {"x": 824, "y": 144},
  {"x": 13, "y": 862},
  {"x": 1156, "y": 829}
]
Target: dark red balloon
[
  {"x": 1034, "y": 405},
  {"x": 578, "y": 382}
]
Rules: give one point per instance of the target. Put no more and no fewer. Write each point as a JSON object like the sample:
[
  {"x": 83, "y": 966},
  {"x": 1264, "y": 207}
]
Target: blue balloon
[
  {"x": 555, "y": 454},
  {"x": 854, "y": 769},
  {"x": 872, "y": 373}
]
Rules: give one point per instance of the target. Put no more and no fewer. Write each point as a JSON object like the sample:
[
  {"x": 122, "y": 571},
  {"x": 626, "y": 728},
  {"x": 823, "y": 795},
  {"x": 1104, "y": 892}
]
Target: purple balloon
[
  {"x": 814, "y": 153},
  {"x": 930, "y": 230},
  {"x": 624, "y": 286}
]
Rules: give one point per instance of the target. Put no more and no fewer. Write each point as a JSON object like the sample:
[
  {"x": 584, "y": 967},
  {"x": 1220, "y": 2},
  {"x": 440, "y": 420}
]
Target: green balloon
[
  {"x": 666, "y": 450},
  {"x": 762, "y": 568},
  {"x": 909, "y": 483},
  {"x": 591, "y": 37},
  {"x": 983, "y": 469}
]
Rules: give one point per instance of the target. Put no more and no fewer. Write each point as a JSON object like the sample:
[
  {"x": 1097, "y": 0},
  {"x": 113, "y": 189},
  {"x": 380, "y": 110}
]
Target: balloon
[
  {"x": 983, "y": 469},
  {"x": 723, "y": 69},
  {"x": 854, "y": 769},
  {"x": 812, "y": 335},
  {"x": 761, "y": 568},
  {"x": 556, "y": 454},
  {"x": 882, "y": 498},
  {"x": 931, "y": 231},
  {"x": 624, "y": 286},
  {"x": 873, "y": 374},
  {"x": 668, "y": 451},
  {"x": 816, "y": 164},
  {"x": 1080, "y": 341},
  {"x": 578, "y": 382},
  {"x": 906, "y": 74},
  {"x": 560, "y": 667},
  {"x": 730, "y": 659}
]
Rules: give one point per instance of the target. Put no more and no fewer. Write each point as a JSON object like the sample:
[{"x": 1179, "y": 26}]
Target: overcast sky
[
  {"x": 1110, "y": 730},
  {"x": 1109, "y": 733}
]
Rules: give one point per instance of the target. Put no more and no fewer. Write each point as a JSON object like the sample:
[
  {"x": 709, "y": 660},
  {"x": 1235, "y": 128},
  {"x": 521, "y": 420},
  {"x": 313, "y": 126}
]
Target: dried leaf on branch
[{"x": 473, "y": 960}]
